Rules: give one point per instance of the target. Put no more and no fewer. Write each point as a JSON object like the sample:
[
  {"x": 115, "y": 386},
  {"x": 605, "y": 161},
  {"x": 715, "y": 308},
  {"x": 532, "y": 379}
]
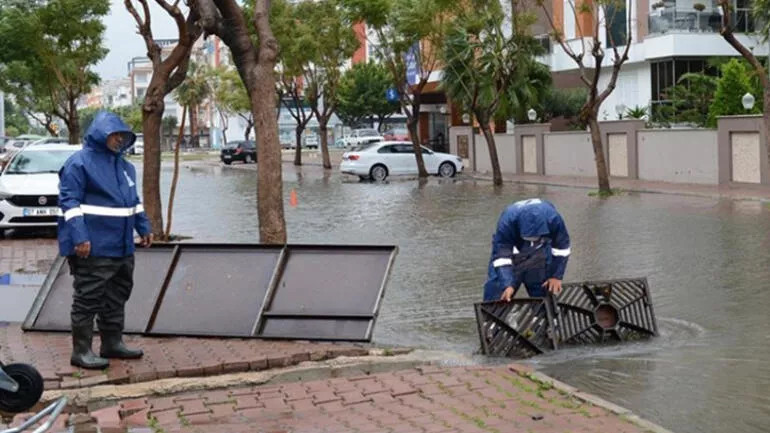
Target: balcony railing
[{"x": 675, "y": 20}]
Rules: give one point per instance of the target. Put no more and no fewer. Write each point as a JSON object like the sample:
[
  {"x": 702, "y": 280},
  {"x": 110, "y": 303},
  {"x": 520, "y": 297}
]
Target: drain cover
[{"x": 583, "y": 313}]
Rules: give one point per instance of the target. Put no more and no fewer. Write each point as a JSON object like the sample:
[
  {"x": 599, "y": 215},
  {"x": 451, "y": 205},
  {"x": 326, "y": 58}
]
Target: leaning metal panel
[
  {"x": 53, "y": 313},
  {"x": 325, "y": 291},
  {"x": 215, "y": 291},
  {"x": 328, "y": 292},
  {"x": 583, "y": 313}
]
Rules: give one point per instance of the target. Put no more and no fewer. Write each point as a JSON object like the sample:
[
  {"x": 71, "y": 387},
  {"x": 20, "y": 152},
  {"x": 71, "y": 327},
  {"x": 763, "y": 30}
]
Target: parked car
[
  {"x": 396, "y": 134},
  {"x": 138, "y": 148},
  {"x": 245, "y": 151},
  {"x": 14, "y": 145},
  {"x": 50, "y": 140},
  {"x": 29, "y": 186},
  {"x": 379, "y": 160},
  {"x": 362, "y": 136}
]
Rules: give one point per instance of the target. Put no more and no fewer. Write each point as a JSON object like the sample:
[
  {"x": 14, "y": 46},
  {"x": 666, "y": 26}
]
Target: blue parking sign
[{"x": 391, "y": 94}]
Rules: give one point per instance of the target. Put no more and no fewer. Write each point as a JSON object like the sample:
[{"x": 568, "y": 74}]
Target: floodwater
[{"x": 707, "y": 262}]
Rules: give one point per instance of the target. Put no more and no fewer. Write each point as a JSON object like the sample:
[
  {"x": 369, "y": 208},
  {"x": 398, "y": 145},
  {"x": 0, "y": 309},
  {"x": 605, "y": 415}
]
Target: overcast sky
[{"x": 124, "y": 43}]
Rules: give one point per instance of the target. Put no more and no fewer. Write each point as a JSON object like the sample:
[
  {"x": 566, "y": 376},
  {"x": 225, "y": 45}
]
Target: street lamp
[
  {"x": 532, "y": 114},
  {"x": 748, "y": 101},
  {"x": 620, "y": 109},
  {"x": 466, "y": 118}
]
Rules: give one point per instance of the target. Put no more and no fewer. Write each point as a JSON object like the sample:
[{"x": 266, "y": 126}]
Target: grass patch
[
  {"x": 154, "y": 425},
  {"x": 78, "y": 374},
  {"x": 184, "y": 421},
  {"x": 519, "y": 384}
]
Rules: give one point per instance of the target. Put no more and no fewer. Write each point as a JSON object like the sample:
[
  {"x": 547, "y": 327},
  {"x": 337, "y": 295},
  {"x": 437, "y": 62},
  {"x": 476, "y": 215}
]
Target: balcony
[{"x": 688, "y": 20}]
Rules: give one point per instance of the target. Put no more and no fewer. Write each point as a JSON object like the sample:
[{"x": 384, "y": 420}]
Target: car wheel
[
  {"x": 363, "y": 178},
  {"x": 447, "y": 169},
  {"x": 228, "y": 162},
  {"x": 378, "y": 173},
  {"x": 248, "y": 160}
]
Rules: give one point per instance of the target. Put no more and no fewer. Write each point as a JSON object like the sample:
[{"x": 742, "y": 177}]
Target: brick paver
[
  {"x": 164, "y": 357},
  {"x": 28, "y": 254},
  {"x": 478, "y": 399}
]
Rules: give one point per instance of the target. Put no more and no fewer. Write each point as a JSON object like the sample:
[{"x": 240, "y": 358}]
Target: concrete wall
[
  {"x": 742, "y": 150},
  {"x": 682, "y": 156},
  {"x": 506, "y": 153},
  {"x": 569, "y": 154}
]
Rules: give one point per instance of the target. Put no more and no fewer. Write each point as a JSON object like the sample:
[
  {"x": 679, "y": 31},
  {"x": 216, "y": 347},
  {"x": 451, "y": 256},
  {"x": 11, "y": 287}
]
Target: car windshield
[
  {"x": 49, "y": 161},
  {"x": 368, "y": 133}
]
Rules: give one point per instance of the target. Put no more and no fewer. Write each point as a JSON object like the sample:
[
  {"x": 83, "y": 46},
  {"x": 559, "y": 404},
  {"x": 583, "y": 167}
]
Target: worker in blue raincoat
[
  {"x": 531, "y": 246},
  {"x": 100, "y": 210}
]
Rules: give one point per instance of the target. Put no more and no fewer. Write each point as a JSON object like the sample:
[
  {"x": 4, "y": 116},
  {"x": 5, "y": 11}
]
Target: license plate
[
  {"x": 228, "y": 157},
  {"x": 41, "y": 211}
]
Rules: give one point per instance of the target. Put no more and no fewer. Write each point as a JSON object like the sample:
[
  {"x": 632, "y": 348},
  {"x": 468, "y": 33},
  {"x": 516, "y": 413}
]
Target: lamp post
[
  {"x": 620, "y": 109},
  {"x": 532, "y": 114},
  {"x": 748, "y": 101}
]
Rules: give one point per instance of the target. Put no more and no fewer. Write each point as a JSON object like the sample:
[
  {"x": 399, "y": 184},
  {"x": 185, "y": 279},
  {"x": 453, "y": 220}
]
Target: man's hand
[
  {"x": 507, "y": 294},
  {"x": 146, "y": 241},
  {"x": 553, "y": 285},
  {"x": 83, "y": 250}
]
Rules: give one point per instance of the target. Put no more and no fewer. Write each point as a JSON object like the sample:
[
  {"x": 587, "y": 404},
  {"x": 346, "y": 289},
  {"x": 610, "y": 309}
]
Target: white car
[
  {"x": 138, "y": 148},
  {"x": 29, "y": 186},
  {"x": 382, "y": 159},
  {"x": 362, "y": 136}
]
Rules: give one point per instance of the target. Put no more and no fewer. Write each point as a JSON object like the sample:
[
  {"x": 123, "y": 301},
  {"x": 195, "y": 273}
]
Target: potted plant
[
  {"x": 658, "y": 5},
  {"x": 700, "y": 7}
]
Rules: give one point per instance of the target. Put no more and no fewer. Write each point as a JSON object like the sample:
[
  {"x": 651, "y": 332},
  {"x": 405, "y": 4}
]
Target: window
[
  {"x": 39, "y": 162},
  {"x": 387, "y": 149},
  {"x": 617, "y": 24},
  {"x": 405, "y": 148},
  {"x": 666, "y": 74}
]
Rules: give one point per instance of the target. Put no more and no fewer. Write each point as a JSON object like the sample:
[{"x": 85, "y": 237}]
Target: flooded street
[{"x": 706, "y": 261}]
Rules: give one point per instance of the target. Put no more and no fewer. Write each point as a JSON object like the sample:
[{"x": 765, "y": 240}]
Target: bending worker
[
  {"x": 531, "y": 246},
  {"x": 101, "y": 210}
]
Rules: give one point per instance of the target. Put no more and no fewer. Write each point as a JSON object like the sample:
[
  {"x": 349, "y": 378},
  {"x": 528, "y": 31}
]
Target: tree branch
[{"x": 727, "y": 33}]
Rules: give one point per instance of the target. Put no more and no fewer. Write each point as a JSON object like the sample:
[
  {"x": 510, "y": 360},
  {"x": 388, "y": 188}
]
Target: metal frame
[
  {"x": 53, "y": 410},
  {"x": 280, "y": 267},
  {"x": 176, "y": 250},
  {"x": 571, "y": 318}
]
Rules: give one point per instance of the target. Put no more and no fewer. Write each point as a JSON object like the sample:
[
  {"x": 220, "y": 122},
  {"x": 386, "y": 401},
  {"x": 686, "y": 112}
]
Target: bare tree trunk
[
  {"x": 272, "y": 225},
  {"x": 497, "y": 176},
  {"x": 73, "y": 123},
  {"x": 298, "y": 138},
  {"x": 601, "y": 163},
  {"x": 415, "y": 136},
  {"x": 766, "y": 119},
  {"x": 151, "y": 125},
  {"x": 324, "y": 143},
  {"x": 193, "y": 126},
  {"x": 225, "y": 125},
  {"x": 73, "y": 126},
  {"x": 174, "y": 179}
]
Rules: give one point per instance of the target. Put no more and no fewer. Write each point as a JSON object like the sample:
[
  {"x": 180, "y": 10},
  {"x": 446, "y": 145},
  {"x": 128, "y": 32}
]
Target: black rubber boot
[
  {"x": 113, "y": 347},
  {"x": 82, "y": 355}
]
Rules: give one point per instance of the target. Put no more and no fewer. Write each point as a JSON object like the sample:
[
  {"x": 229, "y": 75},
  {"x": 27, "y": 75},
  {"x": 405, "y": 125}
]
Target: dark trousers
[{"x": 102, "y": 287}]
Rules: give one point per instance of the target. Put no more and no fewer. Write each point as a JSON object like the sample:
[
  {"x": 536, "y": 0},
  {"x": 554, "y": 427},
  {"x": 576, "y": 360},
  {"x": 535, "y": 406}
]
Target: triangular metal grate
[{"x": 584, "y": 313}]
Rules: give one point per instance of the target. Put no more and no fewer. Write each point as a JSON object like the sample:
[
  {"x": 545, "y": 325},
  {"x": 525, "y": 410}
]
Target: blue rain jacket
[
  {"x": 527, "y": 219},
  {"x": 97, "y": 194}
]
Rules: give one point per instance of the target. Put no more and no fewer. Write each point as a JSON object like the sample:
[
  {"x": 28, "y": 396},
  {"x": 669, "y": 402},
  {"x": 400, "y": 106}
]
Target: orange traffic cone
[{"x": 293, "y": 198}]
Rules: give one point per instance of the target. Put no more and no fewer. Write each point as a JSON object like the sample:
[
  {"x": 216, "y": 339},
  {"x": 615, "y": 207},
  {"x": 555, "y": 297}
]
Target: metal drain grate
[{"x": 584, "y": 313}]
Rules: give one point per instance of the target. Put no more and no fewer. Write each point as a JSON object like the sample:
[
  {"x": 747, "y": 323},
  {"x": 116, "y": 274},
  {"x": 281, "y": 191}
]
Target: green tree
[
  {"x": 230, "y": 97},
  {"x": 691, "y": 100},
  {"x": 334, "y": 43},
  {"x": 361, "y": 94},
  {"x": 192, "y": 93},
  {"x": 297, "y": 47},
  {"x": 16, "y": 122},
  {"x": 733, "y": 83},
  {"x": 565, "y": 103},
  {"x": 47, "y": 50},
  {"x": 410, "y": 34},
  {"x": 485, "y": 69}
]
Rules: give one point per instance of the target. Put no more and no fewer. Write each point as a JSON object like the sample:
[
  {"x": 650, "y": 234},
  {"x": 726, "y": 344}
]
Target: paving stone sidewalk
[
  {"x": 425, "y": 399},
  {"x": 31, "y": 255},
  {"x": 164, "y": 357}
]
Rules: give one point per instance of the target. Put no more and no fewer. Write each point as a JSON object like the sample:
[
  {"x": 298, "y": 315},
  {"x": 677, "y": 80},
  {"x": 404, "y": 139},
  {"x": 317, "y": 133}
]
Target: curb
[
  {"x": 626, "y": 414},
  {"x": 635, "y": 190},
  {"x": 102, "y": 396}
]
